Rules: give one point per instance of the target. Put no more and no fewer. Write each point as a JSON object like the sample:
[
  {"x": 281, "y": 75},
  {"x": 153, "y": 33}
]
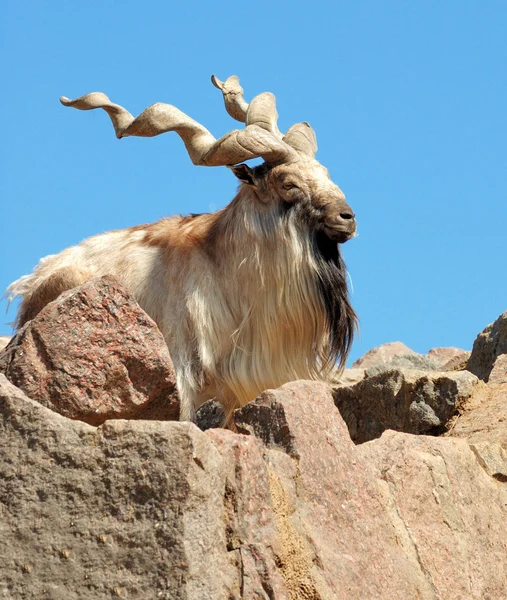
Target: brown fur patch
[{"x": 180, "y": 232}]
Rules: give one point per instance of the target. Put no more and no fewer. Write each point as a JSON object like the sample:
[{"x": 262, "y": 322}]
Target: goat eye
[{"x": 288, "y": 186}]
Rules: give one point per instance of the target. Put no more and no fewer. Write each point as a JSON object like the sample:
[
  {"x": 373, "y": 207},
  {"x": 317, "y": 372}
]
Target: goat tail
[{"x": 42, "y": 286}]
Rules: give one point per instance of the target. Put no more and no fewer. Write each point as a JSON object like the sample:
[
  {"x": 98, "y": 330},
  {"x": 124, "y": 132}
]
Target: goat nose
[{"x": 346, "y": 214}]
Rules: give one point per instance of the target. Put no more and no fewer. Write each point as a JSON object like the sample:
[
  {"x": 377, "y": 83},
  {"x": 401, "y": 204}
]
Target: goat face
[{"x": 306, "y": 188}]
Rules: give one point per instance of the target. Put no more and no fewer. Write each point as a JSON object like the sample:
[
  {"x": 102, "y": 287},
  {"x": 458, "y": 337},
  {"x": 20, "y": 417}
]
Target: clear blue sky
[{"x": 408, "y": 99}]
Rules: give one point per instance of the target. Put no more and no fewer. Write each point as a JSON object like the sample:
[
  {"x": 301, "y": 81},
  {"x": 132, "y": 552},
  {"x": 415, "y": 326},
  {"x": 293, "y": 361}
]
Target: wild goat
[{"x": 247, "y": 298}]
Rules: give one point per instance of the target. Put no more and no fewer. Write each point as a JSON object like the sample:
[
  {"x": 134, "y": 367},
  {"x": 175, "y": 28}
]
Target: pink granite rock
[
  {"x": 447, "y": 513},
  {"x": 329, "y": 513},
  {"x": 93, "y": 354},
  {"x": 249, "y": 515}
]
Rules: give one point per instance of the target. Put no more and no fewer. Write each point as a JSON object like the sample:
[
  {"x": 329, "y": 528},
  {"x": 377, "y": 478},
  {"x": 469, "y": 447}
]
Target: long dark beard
[{"x": 332, "y": 278}]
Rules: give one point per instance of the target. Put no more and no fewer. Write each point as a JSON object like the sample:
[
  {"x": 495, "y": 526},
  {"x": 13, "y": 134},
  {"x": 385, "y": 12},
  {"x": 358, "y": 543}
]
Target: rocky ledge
[{"x": 292, "y": 506}]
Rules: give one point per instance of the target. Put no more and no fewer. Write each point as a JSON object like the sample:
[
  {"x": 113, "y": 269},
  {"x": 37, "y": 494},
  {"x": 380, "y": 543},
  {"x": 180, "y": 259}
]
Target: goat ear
[{"x": 243, "y": 172}]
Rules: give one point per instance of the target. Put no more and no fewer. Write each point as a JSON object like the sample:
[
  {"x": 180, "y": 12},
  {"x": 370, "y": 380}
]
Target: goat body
[{"x": 247, "y": 298}]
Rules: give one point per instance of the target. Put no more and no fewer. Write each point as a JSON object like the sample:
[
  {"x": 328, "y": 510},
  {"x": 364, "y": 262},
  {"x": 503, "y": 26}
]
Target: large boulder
[
  {"x": 405, "y": 400},
  {"x": 446, "y": 354},
  {"x": 93, "y": 354},
  {"x": 401, "y": 517},
  {"x": 131, "y": 509},
  {"x": 335, "y": 540}
]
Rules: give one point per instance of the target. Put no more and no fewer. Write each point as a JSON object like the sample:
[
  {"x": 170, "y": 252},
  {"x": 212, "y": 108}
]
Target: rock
[
  {"x": 350, "y": 376},
  {"x": 445, "y": 355},
  {"x": 458, "y": 363},
  {"x": 131, "y": 509},
  {"x": 488, "y": 347},
  {"x": 147, "y": 509},
  {"x": 398, "y": 517},
  {"x": 4, "y": 340},
  {"x": 405, "y": 400},
  {"x": 335, "y": 541},
  {"x": 210, "y": 415},
  {"x": 382, "y": 355},
  {"x": 249, "y": 516},
  {"x": 498, "y": 373},
  {"x": 447, "y": 513},
  {"x": 492, "y": 456},
  {"x": 419, "y": 362},
  {"x": 93, "y": 354},
  {"x": 483, "y": 419}
]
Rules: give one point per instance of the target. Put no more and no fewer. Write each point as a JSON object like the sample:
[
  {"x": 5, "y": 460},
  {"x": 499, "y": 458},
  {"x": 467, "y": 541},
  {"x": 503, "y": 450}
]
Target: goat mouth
[{"x": 339, "y": 236}]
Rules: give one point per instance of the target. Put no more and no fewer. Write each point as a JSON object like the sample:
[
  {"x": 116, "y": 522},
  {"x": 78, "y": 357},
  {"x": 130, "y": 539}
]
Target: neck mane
[{"x": 292, "y": 281}]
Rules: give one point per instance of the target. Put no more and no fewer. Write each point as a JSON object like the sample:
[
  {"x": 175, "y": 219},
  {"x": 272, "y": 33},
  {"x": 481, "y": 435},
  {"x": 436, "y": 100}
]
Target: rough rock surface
[
  {"x": 350, "y": 376},
  {"x": 93, "y": 355},
  {"x": 132, "y": 509},
  {"x": 336, "y": 542},
  {"x": 147, "y": 509},
  {"x": 210, "y": 415},
  {"x": 483, "y": 423},
  {"x": 249, "y": 517},
  {"x": 405, "y": 400},
  {"x": 457, "y": 363},
  {"x": 444, "y": 355},
  {"x": 490, "y": 346},
  {"x": 447, "y": 513}
]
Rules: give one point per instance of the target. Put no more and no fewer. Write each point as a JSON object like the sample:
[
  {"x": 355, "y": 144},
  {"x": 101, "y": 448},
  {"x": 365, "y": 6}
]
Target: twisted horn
[
  {"x": 234, "y": 102},
  {"x": 262, "y": 112},
  {"x": 203, "y": 148},
  {"x": 302, "y": 138}
]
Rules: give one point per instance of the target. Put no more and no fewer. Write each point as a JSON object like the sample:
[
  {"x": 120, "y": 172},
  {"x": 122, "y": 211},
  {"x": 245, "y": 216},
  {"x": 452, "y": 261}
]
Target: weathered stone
[
  {"x": 350, "y": 376},
  {"x": 250, "y": 521},
  {"x": 498, "y": 374},
  {"x": 335, "y": 540},
  {"x": 419, "y": 362},
  {"x": 93, "y": 354},
  {"x": 402, "y": 399},
  {"x": 488, "y": 347},
  {"x": 483, "y": 419},
  {"x": 492, "y": 457},
  {"x": 132, "y": 509},
  {"x": 457, "y": 363},
  {"x": 446, "y": 354},
  {"x": 210, "y": 415},
  {"x": 447, "y": 513}
]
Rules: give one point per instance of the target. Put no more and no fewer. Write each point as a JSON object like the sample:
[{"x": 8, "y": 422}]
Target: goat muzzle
[{"x": 341, "y": 226}]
